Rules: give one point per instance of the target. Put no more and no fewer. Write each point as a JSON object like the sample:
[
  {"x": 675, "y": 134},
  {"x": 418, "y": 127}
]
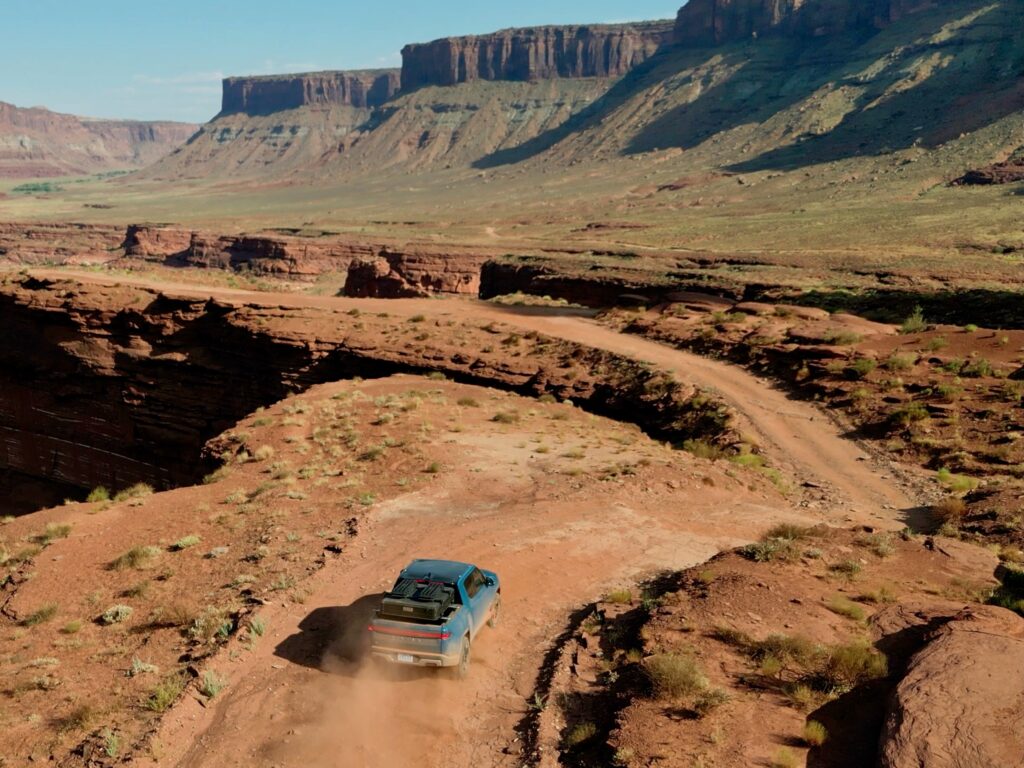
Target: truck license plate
[{"x": 405, "y": 658}]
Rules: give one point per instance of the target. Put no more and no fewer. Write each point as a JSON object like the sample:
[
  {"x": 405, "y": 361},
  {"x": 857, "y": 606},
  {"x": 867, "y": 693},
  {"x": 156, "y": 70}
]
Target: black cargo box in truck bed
[{"x": 418, "y": 600}]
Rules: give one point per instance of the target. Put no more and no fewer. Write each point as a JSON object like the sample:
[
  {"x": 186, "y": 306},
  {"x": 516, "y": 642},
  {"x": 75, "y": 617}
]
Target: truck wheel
[
  {"x": 462, "y": 670},
  {"x": 495, "y": 614}
]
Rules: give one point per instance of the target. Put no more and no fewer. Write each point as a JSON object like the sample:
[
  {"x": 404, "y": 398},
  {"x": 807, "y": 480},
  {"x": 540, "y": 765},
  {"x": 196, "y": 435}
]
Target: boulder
[{"x": 961, "y": 702}]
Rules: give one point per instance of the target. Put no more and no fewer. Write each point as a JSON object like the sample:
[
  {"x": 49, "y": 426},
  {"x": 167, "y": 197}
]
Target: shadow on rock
[{"x": 337, "y": 633}]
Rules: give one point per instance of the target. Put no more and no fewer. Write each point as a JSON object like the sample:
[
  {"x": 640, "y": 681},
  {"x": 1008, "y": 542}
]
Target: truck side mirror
[{"x": 489, "y": 582}]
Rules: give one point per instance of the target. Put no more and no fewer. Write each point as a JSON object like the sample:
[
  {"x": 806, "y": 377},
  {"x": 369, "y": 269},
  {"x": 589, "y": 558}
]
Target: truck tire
[
  {"x": 461, "y": 671},
  {"x": 495, "y": 613}
]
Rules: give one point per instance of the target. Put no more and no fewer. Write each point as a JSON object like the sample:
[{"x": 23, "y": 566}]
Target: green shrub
[
  {"x": 850, "y": 665},
  {"x": 815, "y": 734},
  {"x": 840, "y": 338},
  {"x": 137, "y": 491},
  {"x": 770, "y": 550},
  {"x": 674, "y": 676},
  {"x": 98, "y": 494},
  {"x": 915, "y": 323},
  {"x": 979, "y": 368},
  {"x": 166, "y": 693},
  {"x": 116, "y": 614},
  {"x": 900, "y": 362},
  {"x": 136, "y": 557},
  {"x": 211, "y": 684},
  {"x": 956, "y": 483},
  {"x": 847, "y": 608},
  {"x": 909, "y": 413},
  {"x": 51, "y": 533},
  {"x": 709, "y": 700},
  {"x": 847, "y": 568},
  {"x": 257, "y": 626},
  {"x": 140, "y": 667},
  {"x": 41, "y": 615},
  {"x": 579, "y": 734},
  {"x": 186, "y": 542},
  {"x": 620, "y": 597},
  {"x": 861, "y": 367}
]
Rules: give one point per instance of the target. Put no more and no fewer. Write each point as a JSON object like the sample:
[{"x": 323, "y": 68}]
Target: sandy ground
[{"x": 306, "y": 696}]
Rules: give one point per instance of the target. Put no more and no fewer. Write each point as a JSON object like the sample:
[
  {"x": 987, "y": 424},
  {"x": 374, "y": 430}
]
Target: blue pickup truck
[{"x": 433, "y": 613}]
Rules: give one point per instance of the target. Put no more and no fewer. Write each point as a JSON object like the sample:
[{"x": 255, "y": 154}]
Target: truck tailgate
[{"x": 411, "y": 643}]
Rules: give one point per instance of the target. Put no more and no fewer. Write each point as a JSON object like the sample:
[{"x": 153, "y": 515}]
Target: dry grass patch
[{"x": 135, "y": 558}]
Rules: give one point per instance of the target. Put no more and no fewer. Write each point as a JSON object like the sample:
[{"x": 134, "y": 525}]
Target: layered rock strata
[
  {"x": 36, "y": 142},
  {"x": 536, "y": 53},
  {"x": 116, "y": 385},
  {"x": 712, "y": 22},
  {"x": 275, "y": 93}
]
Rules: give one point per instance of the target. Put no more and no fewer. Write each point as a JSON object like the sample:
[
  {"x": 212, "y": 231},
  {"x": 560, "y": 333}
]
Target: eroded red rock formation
[
  {"x": 39, "y": 143},
  {"x": 535, "y": 53},
  {"x": 712, "y": 22},
  {"x": 275, "y": 93},
  {"x": 1001, "y": 173},
  {"x": 115, "y": 385},
  {"x": 59, "y": 243}
]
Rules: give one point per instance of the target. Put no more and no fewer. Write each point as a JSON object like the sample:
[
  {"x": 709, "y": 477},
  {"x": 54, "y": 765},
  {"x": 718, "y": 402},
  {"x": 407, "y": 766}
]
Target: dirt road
[
  {"x": 797, "y": 436},
  {"x": 305, "y": 697}
]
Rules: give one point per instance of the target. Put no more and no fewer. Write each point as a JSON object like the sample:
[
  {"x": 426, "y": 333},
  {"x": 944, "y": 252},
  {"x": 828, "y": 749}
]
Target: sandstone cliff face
[
  {"x": 276, "y": 93},
  {"x": 38, "y": 143},
  {"x": 537, "y": 53},
  {"x": 712, "y": 22},
  {"x": 116, "y": 385},
  {"x": 66, "y": 244},
  {"x": 415, "y": 272}
]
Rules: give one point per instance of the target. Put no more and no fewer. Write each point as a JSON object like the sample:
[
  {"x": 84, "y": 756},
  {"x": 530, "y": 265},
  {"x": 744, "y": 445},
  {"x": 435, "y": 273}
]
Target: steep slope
[
  {"x": 278, "y": 144},
  {"x": 39, "y": 143},
  {"x": 516, "y": 85},
  {"x": 791, "y": 99}
]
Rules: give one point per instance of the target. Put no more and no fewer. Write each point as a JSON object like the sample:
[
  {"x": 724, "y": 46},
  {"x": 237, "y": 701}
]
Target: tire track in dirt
[{"x": 797, "y": 436}]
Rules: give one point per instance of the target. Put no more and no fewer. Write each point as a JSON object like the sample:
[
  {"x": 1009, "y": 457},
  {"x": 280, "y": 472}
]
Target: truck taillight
[{"x": 410, "y": 633}]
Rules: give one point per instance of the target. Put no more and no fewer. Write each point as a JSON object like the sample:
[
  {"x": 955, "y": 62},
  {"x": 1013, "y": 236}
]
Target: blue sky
[{"x": 153, "y": 59}]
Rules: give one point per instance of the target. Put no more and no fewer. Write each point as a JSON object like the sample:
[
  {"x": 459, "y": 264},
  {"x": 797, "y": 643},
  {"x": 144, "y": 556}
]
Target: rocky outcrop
[
  {"x": 116, "y": 385},
  {"x": 1009, "y": 172},
  {"x": 712, "y": 22},
  {"x": 412, "y": 273},
  {"x": 384, "y": 270},
  {"x": 39, "y": 143},
  {"x": 536, "y": 53},
  {"x": 155, "y": 243},
  {"x": 961, "y": 703},
  {"x": 276, "y": 93},
  {"x": 59, "y": 244},
  {"x": 595, "y": 288},
  {"x": 291, "y": 257}
]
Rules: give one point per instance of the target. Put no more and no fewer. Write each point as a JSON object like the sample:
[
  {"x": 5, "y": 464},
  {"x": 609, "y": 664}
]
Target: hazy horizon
[{"x": 157, "y": 62}]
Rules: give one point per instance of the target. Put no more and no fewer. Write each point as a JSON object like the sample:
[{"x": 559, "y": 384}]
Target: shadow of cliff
[
  {"x": 643, "y": 76},
  {"x": 921, "y": 82},
  {"x": 925, "y": 93}
]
